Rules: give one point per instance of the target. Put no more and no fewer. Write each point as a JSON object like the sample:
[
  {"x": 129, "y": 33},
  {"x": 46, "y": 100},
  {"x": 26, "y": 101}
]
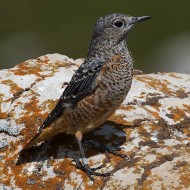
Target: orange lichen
[
  {"x": 32, "y": 119},
  {"x": 13, "y": 86},
  {"x": 119, "y": 118},
  {"x": 186, "y": 106},
  {"x": 11, "y": 165},
  {"x": 157, "y": 107},
  {"x": 148, "y": 182},
  {"x": 44, "y": 60},
  {"x": 63, "y": 64},
  {"x": 176, "y": 113},
  {"x": 174, "y": 75},
  {"x": 156, "y": 83},
  {"x": 153, "y": 113},
  {"x": 127, "y": 108},
  {"x": 185, "y": 179},
  {"x": 50, "y": 103},
  {"x": 3, "y": 115},
  {"x": 186, "y": 131},
  {"x": 153, "y": 126},
  {"x": 63, "y": 168},
  {"x": 1, "y": 97},
  {"x": 52, "y": 183},
  {"x": 25, "y": 68},
  {"x": 32, "y": 106},
  {"x": 32, "y": 124}
]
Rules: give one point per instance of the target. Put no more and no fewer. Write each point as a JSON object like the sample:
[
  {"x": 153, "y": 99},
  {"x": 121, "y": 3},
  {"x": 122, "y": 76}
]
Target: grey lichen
[
  {"x": 3, "y": 143},
  {"x": 9, "y": 126}
]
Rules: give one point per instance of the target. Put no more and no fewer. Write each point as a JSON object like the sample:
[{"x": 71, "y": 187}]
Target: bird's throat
[{"x": 106, "y": 49}]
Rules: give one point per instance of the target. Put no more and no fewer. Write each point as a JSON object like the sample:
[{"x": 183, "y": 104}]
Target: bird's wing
[{"x": 82, "y": 83}]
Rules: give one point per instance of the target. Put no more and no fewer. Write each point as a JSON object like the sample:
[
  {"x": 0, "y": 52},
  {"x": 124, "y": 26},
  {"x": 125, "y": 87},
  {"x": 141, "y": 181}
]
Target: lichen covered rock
[{"x": 152, "y": 127}]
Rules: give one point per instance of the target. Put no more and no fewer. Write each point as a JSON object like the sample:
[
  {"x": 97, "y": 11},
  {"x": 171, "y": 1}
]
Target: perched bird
[{"x": 97, "y": 88}]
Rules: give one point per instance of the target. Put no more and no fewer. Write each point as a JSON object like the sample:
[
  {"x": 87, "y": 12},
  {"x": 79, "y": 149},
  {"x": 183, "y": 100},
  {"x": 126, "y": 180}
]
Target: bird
[{"x": 97, "y": 88}]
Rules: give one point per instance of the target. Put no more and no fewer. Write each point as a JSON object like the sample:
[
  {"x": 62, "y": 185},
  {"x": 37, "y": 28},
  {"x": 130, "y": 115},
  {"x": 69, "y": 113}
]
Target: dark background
[{"x": 29, "y": 29}]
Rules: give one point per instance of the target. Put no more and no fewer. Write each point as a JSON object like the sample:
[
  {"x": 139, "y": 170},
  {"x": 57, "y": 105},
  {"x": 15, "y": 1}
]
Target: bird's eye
[{"x": 118, "y": 24}]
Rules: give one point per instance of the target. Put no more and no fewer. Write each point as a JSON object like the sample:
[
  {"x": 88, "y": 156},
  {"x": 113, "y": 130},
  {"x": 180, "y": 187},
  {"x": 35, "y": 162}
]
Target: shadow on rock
[{"x": 64, "y": 146}]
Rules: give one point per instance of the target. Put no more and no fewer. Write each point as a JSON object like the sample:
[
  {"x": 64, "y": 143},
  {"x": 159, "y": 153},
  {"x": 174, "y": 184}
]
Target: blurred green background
[{"x": 29, "y": 29}]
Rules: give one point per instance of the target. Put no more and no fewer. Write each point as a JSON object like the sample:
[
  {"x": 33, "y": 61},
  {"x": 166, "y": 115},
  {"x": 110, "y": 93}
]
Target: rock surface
[{"x": 152, "y": 127}]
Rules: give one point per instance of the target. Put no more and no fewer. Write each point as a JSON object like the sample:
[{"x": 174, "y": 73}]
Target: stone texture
[{"x": 152, "y": 127}]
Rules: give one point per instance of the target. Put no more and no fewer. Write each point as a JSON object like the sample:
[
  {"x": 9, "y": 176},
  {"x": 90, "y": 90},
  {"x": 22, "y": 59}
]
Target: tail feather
[{"x": 46, "y": 133}]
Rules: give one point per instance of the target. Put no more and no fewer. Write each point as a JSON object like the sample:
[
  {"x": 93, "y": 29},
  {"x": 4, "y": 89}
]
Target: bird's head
[{"x": 115, "y": 27}]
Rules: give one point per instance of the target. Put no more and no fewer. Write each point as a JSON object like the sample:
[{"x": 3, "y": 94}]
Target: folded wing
[{"x": 82, "y": 84}]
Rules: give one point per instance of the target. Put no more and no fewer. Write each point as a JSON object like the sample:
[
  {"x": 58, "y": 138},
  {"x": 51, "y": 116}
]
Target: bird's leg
[
  {"x": 84, "y": 165},
  {"x": 108, "y": 149}
]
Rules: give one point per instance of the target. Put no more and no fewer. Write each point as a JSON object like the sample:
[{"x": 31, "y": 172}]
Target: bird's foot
[
  {"x": 113, "y": 151},
  {"x": 91, "y": 171}
]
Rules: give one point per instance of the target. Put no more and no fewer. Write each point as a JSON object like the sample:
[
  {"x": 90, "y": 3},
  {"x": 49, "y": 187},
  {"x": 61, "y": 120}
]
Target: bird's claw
[{"x": 91, "y": 171}]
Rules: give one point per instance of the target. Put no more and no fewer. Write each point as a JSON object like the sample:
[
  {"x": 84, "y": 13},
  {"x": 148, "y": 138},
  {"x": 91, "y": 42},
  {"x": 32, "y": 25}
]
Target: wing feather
[{"x": 81, "y": 84}]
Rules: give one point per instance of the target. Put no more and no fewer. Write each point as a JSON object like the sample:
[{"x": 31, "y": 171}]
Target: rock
[{"x": 152, "y": 127}]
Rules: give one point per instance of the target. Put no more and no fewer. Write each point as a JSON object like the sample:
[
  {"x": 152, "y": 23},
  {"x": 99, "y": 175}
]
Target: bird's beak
[{"x": 134, "y": 20}]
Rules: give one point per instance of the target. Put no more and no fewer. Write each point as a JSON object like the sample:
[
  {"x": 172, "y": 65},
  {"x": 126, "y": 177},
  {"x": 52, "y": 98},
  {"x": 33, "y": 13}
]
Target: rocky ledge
[{"x": 152, "y": 127}]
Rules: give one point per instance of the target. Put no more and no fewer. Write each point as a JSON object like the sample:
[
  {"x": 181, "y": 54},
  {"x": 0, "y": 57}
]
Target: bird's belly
[{"x": 94, "y": 109}]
